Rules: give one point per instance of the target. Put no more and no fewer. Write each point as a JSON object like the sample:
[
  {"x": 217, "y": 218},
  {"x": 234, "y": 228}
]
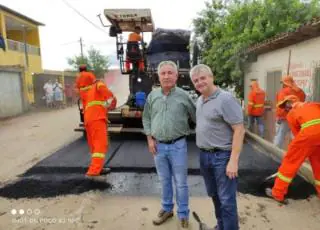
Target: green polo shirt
[{"x": 166, "y": 117}]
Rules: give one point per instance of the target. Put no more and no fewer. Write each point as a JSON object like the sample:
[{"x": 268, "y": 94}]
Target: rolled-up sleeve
[
  {"x": 146, "y": 117},
  {"x": 231, "y": 110}
]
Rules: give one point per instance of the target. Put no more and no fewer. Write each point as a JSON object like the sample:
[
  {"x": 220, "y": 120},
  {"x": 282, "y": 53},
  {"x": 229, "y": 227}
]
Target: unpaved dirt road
[
  {"x": 96, "y": 210},
  {"x": 28, "y": 139}
]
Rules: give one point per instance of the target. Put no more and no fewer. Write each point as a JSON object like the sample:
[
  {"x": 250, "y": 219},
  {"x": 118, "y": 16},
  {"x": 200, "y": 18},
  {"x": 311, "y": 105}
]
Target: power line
[{"x": 81, "y": 15}]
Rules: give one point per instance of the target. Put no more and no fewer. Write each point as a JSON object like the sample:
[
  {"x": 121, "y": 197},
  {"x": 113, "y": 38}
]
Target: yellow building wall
[
  {"x": 33, "y": 37},
  {"x": 15, "y": 35},
  {"x": 9, "y": 57},
  {"x": 17, "y": 58},
  {"x": 2, "y": 25}
]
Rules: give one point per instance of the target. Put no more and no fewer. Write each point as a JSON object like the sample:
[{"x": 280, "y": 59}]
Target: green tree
[
  {"x": 95, "y": 61},
  {"x": 224, "y": 31}
]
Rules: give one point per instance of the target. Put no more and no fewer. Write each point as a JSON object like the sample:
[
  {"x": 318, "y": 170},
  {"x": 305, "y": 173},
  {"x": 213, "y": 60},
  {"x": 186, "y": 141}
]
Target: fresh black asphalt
[{"x": 133, "y": 172}]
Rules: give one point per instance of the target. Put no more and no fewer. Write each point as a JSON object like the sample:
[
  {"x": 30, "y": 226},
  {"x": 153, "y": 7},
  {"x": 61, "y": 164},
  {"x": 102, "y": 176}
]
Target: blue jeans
[
  {"x": 220, "y": 188},
  {"x": 259, "y": 119},
  {"x": 171, "y": 162}
]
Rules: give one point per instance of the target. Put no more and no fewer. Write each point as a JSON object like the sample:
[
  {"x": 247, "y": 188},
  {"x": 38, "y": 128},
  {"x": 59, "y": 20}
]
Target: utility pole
[
  {"x": 289, "y": 62},
  {"x": 81, "y": 47}
]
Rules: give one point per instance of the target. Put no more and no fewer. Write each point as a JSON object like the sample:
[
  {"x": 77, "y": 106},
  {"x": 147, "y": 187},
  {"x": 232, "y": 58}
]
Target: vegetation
[
  {"x": 224, "y": 29},
  {"x": 95, "y": 61}
]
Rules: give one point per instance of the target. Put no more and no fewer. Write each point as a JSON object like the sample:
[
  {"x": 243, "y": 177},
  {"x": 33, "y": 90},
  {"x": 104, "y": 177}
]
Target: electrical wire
[{"x": 81, "y": 15}]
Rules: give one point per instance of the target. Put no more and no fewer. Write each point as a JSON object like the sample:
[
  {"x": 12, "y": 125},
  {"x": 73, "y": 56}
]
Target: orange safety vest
[
  {"x": 281, "y": 113},
  {"x": 304, "y": 122},
  {"x": 83, "y": 84},
  {"x": 256, "y": 101},
  {"x": 303, "y": 117},
  {"x": 99, "y": 100},
  {"x": 134, "y": 37}
]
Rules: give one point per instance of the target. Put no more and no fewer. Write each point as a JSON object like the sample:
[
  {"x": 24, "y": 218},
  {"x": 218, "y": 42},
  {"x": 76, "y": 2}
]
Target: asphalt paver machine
[{"x": 165, "y": 44}]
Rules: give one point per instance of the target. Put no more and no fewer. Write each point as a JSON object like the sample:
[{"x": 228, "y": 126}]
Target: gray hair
[
  {"x": 201, "y": 68},
  {"x": 171, "y": 63}
]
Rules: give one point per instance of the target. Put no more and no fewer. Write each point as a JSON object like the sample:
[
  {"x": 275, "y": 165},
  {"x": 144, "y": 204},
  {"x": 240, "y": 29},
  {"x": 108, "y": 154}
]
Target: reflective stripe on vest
[
  {"x": 85, "y": 88},
  {"x": 258, "y": 105},
  {"x": 92, "y": 103},
  {"x": 310, "y": 123},
  {"x": 98, "y": 155},
  {"x": 317, "y": 182},
  {"x": 255, "y": 105},
  {"x": 284, "y": 178}
]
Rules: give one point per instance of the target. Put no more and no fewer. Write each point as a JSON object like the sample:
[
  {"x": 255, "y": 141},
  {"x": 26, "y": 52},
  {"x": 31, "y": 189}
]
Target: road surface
[{"x": 133, "y": 172}]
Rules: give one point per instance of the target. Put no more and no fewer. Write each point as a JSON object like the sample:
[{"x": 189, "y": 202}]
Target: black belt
[
  {"x": 212, "y": 150},
  {"x": 171, "y": 141}
]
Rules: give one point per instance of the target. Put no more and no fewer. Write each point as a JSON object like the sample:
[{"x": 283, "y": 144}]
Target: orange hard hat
[
  {"x": 288, "y": 81},
  {"x": 292, "y": 98}
]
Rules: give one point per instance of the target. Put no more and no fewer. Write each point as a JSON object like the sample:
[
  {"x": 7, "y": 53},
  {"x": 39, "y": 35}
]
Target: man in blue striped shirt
[{"x": 166, "y": 123}]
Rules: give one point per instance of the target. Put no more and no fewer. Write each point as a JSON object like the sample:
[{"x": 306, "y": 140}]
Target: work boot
[
  {"x": 162, "y": 217},
  {"x": 105, "y": 171},
  {"x": 268, "y": 192},
  {"x": 184, "y": 223},
  {"x": 98, "y": 178}
]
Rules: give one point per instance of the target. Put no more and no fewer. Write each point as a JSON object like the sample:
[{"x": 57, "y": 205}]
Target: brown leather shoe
[
  {"x": 184, "y": 223},
  {"x": 162, "y": 217}
]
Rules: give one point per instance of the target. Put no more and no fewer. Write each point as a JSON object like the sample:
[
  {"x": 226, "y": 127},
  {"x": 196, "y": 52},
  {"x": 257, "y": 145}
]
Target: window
[{"x": 273, "y": 86}]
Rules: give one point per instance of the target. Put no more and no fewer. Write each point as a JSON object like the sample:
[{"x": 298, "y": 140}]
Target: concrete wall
[
  {"x": 304, "y": 61},
  {"x": 40, "y": 79},
  {"x": 305, "y": 58}
]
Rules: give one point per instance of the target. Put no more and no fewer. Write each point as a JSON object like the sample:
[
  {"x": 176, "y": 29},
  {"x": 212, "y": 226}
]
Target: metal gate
[{"x": 11, "y": 102}]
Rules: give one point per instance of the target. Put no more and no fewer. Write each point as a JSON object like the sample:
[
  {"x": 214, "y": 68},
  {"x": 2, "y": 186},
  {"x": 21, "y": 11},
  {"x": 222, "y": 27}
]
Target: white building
[{"x": 271, "y": 61}]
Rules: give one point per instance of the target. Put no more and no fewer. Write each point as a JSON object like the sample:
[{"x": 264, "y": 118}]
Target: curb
[{"x": 305, "y": 170}]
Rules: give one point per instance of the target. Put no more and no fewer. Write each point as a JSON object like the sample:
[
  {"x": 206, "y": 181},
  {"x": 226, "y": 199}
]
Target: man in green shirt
[{"x": 166, "y": 124}]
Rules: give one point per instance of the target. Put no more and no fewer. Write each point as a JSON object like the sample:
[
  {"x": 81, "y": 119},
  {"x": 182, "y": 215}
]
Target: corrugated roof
[
  {"x": 11, "y": 11},
  {"x": 306, "y": 31}
]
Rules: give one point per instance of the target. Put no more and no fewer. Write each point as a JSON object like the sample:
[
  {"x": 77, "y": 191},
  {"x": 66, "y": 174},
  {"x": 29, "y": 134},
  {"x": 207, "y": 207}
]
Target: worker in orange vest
[
  {"x": 304, "y": 122},
  {"x": 99, "y": 100},
  {"x": 83, "y": 82},
  {"x": 256, "y": 101},
  {"x": 282, "y": 128},
  {"x": 133, "y": 48}
]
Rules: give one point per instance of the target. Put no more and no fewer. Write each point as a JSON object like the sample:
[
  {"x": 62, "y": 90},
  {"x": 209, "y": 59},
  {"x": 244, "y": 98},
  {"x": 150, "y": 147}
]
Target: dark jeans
[{"x": 222, "y": 189}]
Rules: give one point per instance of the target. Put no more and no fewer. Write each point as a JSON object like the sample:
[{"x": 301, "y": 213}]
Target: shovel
[
  {"x": 268, "y": 182},
  {"x": 202, "y": 226}
]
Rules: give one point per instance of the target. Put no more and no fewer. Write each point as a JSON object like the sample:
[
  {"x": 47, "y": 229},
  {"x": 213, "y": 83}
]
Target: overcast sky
[{"x": 63, "y": 26}]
